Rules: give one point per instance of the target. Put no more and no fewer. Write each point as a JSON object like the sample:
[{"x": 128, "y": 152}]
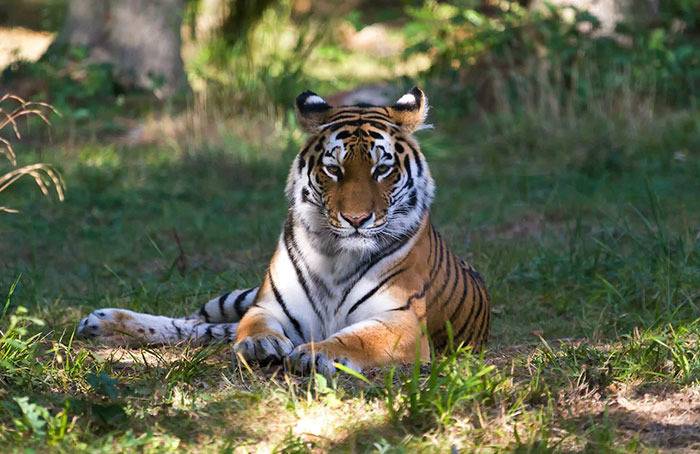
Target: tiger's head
[{"x": 361, "y": 181}]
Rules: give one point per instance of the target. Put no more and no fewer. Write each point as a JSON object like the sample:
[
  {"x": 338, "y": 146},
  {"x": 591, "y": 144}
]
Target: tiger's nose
[{"x": 356, "y": 220}]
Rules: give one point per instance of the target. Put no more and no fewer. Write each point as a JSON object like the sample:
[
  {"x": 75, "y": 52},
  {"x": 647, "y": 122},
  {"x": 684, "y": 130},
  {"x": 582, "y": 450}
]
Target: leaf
[
  {"x": 321, "y": 384},
  {"x": 103, "y": 384},
  {"x": 352, "y": 372},
  {"x": 110, "y": 414},
  {"x": 34, "y": 415}
]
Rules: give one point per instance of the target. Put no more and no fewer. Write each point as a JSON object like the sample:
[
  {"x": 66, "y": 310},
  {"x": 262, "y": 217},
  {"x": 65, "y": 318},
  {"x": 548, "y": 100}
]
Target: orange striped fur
[{"x": 359, "y": 276}]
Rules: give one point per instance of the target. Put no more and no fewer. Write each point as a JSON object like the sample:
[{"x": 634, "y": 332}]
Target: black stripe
[
  {"x": 343, "y": 135},
  {"x": 222, "y": 300},
  {"x": 419, "y": 164},
  {"x": 460, "y": 331},
  {"x": 237, "y": 305},
  {"x": 417, "y": 295},
  {"x": 378, "y": 122},
  {"x": 471, "y": 321},
  {"x": 280, "y": 301},
  {"x": 305, "y": 150},
  {"x": 377, "y": 257},
  {"x": 449, "y": 265},
  {"x": 485, "y": 336},
  {"x": 458, "y": 268},
  {"x": 407, "y": 165},
  {"x": 203, "y": 312},
  {"x": 438, "y": 262},
  {"x": 484, "y": 299},
  {"x": 462, "y": 299},
  {"x": 374, "y": 290},
  {"x": 483, "y": 330},
  {"x": 409, "y": 179},
  {"x": 362, "y": 342},
  {"x": 378, "y": 116},
  {"x": 334, "y": 126},
  {"x": 430, "y": 244},
  {"x": 177, "y": 328},
  {"x": 428, "y": 283},
  {"x": 366, "y": 266},
  {"x": 385, "y": 325},
  {"x": 312, "y": 161},
  {"x": 476, "y": 330},
  {"x": 295, "y": 256},
  {"x": 343, "y": 117}
]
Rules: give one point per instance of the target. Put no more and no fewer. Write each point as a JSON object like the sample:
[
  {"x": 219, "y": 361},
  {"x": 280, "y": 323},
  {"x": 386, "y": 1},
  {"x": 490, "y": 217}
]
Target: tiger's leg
[
  {"x": 227, "y": 308},
  {"x": 261, "y": 337},
  {"x": 128, "y": 328},
  {"x": 390, "y": 337},
  {"x": 215, "y": 321}
]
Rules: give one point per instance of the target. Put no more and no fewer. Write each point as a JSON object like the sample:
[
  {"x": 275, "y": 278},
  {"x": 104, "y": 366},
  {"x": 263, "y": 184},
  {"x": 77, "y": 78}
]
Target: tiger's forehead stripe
[
  {"x": 383, "y": 126},
  {"x": 360, "y": 116}
]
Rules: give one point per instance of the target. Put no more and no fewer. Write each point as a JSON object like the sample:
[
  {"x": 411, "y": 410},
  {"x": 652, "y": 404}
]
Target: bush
[{"x": 504, "y": 56}]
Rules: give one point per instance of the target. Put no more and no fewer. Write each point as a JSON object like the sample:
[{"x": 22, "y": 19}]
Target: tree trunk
[{"x": 139, "y": 38}]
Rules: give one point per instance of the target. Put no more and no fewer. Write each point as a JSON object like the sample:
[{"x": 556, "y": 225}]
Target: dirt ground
[{"x": 19, "y": 43}]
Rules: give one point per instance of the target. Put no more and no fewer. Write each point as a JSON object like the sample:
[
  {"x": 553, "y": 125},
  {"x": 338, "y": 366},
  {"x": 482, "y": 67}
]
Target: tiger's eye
[
  {"x": 334, "y": 170},
  {"x": 382, "y": 169}
]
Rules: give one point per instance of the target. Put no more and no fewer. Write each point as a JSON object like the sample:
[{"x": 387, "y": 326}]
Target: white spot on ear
[
  {"x": 315, "y": 99},
  {"x": 408, "y": 98}
]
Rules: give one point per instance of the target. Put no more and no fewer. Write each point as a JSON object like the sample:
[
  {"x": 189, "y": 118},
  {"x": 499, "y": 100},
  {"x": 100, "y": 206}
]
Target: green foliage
[
  {"x": 620, "y": 270},
  {"x": 103, "y": 385},
  {"x": 38, "y": 422},
  {"x": 538, "y": 440},
  {"x": 434, "y": 393},
  {"x": 18, "y": 347},
  {"x": 293, "y": 444},
  {"x": 509, "y": 53},
  {"x": 666, "y": 354},
  {"x": 264, "y": 70},
  {"x": 77, "y": 87}
]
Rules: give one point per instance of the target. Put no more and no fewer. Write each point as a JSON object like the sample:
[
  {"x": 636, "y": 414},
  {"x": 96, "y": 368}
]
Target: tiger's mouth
[{"x": 357, "y": 233}]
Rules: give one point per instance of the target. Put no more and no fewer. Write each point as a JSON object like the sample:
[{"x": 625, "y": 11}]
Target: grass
[
  {"x": 581, "y": 212},
  {"x": 590, "y": 249},
  {"x": 12, "y": 110}
]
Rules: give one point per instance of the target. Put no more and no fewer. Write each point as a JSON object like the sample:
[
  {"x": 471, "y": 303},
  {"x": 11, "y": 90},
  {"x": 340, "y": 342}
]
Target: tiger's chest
[{"x": 326, "y": 294}]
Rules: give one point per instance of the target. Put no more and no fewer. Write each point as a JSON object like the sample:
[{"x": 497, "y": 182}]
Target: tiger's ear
[
  {"x": 411, "y": 110},
  {"x": 311, "y": 110}
]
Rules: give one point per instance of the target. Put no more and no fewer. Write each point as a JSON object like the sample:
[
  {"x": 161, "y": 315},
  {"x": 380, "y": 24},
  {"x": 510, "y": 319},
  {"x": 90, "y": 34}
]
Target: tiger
[{"x": 360, "y": 276}]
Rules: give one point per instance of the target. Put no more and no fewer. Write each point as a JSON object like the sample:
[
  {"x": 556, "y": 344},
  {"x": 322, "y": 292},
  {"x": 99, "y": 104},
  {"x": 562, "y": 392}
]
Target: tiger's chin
[{"x": 358, "y": 243}]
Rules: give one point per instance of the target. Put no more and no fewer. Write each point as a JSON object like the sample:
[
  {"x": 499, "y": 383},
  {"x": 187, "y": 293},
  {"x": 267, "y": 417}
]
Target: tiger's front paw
[
  {"x": 307, "y": 358},
  {"x": 109, "y": 326},
  {"x": 264, "y": 348}
]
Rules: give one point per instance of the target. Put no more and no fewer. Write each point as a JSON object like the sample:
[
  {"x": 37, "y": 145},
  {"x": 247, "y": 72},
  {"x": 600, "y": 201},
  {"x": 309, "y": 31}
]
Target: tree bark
[{"x": 140, "y": 39}]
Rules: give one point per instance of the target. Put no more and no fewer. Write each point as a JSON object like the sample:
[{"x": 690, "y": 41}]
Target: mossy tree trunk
[{"x": 140, "y": 39}]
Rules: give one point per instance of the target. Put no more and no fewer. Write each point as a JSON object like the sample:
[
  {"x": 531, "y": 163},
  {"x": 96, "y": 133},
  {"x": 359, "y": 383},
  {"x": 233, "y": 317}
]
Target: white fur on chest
[{"x": 322, "y": 292}]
